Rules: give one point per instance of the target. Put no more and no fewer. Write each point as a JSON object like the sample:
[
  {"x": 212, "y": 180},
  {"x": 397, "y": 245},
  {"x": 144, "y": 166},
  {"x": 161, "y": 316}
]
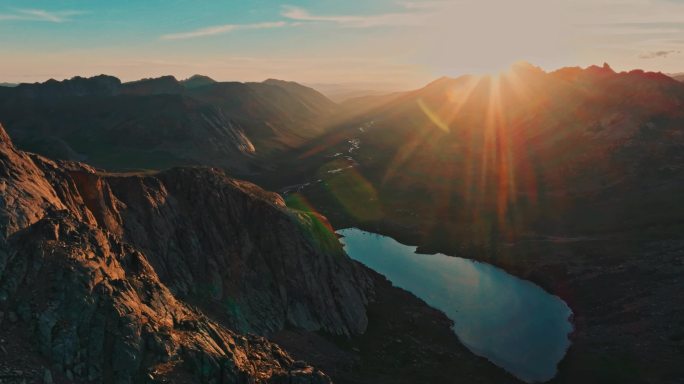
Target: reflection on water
[{"x": 512, "y": 322}]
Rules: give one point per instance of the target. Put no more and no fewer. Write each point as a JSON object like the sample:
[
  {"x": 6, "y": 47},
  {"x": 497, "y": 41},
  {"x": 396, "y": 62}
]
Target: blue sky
[{"x": 403, "y": 43}]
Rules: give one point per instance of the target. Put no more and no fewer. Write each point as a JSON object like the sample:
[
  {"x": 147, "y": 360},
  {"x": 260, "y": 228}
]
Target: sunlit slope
[{"x": 523, "y": 152}]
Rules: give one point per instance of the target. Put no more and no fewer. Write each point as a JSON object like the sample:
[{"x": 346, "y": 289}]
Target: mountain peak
[
  {"x": 156, "y": 85},
  {"x": 198, "y": 76},
  {"x": 197, "y": 80},
  {"x": 605, "y": 69},
  {"x": 526, "y": 67},
  {"x": 76, "y": 86},
  {"x": 278, "y": 81},
  {"x": 281, "y": 83},
  {"x": 165, "y": 78}
]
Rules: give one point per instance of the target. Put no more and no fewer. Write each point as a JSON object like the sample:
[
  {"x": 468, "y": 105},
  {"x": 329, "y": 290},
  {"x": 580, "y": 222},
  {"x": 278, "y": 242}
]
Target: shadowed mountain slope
[{"x": 162, "y": 122}]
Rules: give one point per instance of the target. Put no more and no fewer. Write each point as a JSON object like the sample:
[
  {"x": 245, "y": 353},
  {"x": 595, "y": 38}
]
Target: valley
[
  {"x": 569, "y": 179},
  {"x": 599, "y": 228},
  {"x": 336, "y": 192}
]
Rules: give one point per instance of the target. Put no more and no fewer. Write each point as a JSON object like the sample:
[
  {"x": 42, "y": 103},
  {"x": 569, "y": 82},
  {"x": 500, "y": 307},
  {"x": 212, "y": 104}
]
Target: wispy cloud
[
  {"x": 657, "y": 54},
  {"x": 221, "y": 29},
  {"x": 39, "y": 15},
  {"x": 299, "y": 16},
  {"x": 357, "y": 21}
]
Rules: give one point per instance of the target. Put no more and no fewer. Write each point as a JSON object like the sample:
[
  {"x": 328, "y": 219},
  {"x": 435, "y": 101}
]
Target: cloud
[
  {"x": 298, "y": 16},
  {"x": 221, "y": 29},
  {"x": 656, "y": 54},
  {"x": 39, "y": 15},
  {"x": 356, "y": 21}
]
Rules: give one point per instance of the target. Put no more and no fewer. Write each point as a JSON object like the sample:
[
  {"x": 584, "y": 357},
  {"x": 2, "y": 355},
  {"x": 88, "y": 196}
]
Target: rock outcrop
[{"x": 133, "y": 278}]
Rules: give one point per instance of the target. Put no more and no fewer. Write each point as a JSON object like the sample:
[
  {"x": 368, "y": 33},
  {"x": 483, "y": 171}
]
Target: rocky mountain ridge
[
  {"x": 141, "y": 278},
  {"x": 162, "y": 122}
]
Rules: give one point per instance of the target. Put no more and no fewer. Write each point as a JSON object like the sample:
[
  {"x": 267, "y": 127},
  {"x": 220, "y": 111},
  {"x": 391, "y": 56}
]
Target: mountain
[
  {"x": 571, "y": 179},
  {"x": 101, "y": 85},
  {"x": 177, "y": 276},
  {"x": 9, "y": 85},
  {"x": 153, "y": 277},
  {"x": 154, "y": 86},
  {"x": 345, "y": 91},
  {"x": 677, "y": 76},
  {"x": 525, "y": 150},
  {"x": 162, "y": 122},
  {"x": 197, "y": 81}
]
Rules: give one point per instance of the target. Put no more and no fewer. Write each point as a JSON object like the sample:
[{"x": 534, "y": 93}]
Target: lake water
[{"x": 512, "y": 322}]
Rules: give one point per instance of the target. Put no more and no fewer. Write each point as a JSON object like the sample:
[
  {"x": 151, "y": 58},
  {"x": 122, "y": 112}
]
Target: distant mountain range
[
  {"x": 521, "y": 150},
  {"x": 346, "y": 91},
  {"x": 160, "y": 122},
  {"x": 677, "y": 76}
]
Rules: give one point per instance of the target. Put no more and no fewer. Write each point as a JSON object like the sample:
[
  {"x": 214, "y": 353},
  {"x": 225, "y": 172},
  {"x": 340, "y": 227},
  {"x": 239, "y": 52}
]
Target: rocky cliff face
[{"x": 133, "y": 278}]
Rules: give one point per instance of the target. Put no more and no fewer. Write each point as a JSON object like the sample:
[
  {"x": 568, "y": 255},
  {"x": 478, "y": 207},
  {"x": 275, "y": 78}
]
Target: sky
[{"x": 371, "y": 43}]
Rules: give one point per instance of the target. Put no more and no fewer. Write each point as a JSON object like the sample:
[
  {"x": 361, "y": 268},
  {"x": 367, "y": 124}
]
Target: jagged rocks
[{"x": 96, "y": 268}]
